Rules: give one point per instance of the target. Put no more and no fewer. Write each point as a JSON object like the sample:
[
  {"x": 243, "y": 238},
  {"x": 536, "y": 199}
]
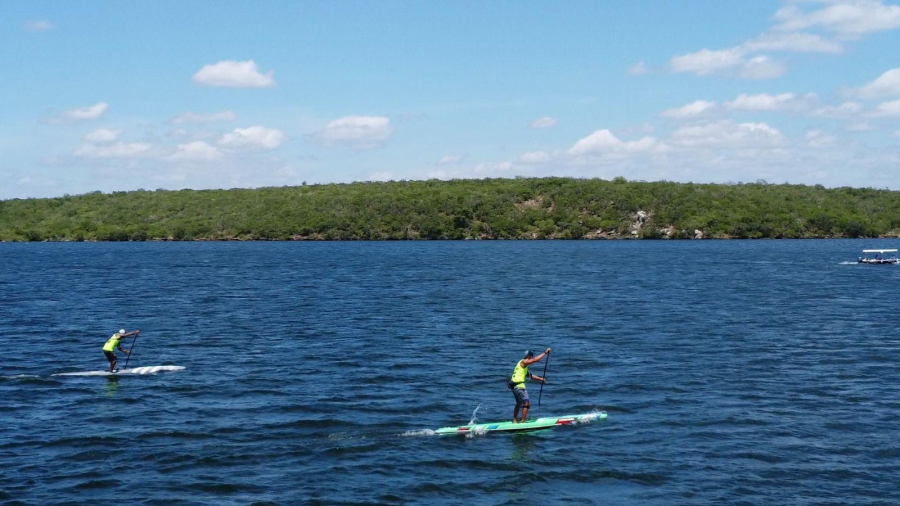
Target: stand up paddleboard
[
  {"x": 150, "y": 369},
  {"x": 549, "y": 422}
]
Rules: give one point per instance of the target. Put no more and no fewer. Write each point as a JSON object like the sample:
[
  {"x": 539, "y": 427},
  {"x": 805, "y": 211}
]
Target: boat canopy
[{"x": 879, "y": 251}]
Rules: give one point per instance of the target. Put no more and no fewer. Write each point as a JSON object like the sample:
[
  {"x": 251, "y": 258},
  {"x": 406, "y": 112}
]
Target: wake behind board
[
  {"x": 549, "y": 422},
  {"x": 150, "y": 369}
]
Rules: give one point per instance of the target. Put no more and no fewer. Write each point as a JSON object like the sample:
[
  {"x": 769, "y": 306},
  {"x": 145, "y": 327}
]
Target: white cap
[{"x": 121, "y": 331}]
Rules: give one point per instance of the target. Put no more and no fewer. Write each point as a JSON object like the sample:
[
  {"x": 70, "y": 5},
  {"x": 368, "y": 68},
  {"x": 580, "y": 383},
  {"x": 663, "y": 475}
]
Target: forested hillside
[{"x": 546, "y": 208}]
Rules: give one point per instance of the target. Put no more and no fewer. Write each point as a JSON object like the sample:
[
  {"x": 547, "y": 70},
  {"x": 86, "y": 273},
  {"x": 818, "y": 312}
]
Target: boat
[
  {"x": 879, "y": 257},
  {"x": 549, "y": 422}
]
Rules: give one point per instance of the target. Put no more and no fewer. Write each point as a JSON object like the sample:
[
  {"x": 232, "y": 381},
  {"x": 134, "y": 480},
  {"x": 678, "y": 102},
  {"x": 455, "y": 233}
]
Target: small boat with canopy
[{"x": 879, "y": 257}]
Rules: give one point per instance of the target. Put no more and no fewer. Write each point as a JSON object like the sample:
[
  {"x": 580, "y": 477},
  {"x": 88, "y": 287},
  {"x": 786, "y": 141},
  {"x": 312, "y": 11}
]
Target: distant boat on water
[{"x": 879, "y": 256}]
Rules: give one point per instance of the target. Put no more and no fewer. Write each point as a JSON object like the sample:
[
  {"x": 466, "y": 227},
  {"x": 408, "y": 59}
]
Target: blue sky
[{"x": 168, "y": 94}]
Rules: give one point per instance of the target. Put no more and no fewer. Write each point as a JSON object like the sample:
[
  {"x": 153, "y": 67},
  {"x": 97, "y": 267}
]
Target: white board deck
[{"x": 150, "y": 369}]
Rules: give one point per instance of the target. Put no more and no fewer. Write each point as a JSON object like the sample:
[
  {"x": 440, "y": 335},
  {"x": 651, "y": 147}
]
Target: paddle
[
  {"x": 545, "y": 380},
  {"x": 130, "y": 350}
]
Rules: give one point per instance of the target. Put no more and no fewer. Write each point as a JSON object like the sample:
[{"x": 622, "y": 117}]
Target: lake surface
[{"x": 763, "y": 372}]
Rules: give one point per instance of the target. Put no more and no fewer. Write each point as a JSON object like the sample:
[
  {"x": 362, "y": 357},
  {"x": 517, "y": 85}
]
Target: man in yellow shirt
[
  {"x": 517, "y": 382},
  {"x": 115, "y": 343}
]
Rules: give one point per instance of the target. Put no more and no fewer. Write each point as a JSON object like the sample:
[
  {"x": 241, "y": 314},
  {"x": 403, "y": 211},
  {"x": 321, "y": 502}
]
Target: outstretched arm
[
  {"x": 127, "y": 334},
  {"x": 534, "y": 360},
  {"x": 535, "y": 377}
]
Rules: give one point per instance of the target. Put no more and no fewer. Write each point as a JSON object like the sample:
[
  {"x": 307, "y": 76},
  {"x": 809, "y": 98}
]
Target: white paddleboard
[{"x": 150, "y": 369}]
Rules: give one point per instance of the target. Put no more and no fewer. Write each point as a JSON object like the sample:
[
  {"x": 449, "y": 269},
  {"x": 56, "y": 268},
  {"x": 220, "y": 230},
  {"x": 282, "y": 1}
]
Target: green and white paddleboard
[{"x": 538, "y": 424}]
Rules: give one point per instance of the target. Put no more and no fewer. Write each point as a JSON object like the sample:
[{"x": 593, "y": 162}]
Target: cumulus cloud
[
  {"x": 843, "y": 20},
  {"x": 39, "y": 26},
  {"x": 253, "y": 137},
  {"x": 706, "y": 61},
  {"x": 115, "y": 150},
  {"x": 533, "y": 157},
  {"x": 889, "y": 109},
  {"x": 102, "y": 136},
  {"x": 726, "y": 133},
  {"x": 197, "y": 151},
  {"x": 847, "y": 109},
  {"x": 819, "y": 139},
  {"x": 766, "y": 102},
  {"x": 604, "y": 142},
  {"x": 359, "y": 132},
  {"x": 81, "y": 113},
  {"x": 448, "y": 159},
  {"x": 730, "y": 61},
  {"x": 692, "y": 110},
  {"x": 762, "y": 67},
  {"x": 234, "y": 74},
  {"x": 853, "y": 18},
  {"x": 886, "y": 85},
  {"x": 793, "y": 42},
  {"x": 193, "y": 117},
  {"x": 545, "y": 122}
]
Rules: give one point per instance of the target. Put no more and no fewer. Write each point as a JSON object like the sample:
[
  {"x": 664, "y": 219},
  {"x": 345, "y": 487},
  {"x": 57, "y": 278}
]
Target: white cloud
[
  {"x": 890, "y": 109},
  {"x": 102, "y": 136},
  {"x": 887, "y": 84},
  {"x": 545, "y": 122},
  {"x": 253, "y": 137},
  {"x": 762, "y": 67},
  {"x": 793, "y": 42},
  {"x": 854, "y": 17},
  {"x": 447, "y": 159},
  {"x": 534, "y": 157},
  {"x": 360, "y": 132},
  {"x": 766, "y": 102},
  {"x": 692, "y": 110},
  {"x": 39, "y": 26},
  {"x": 726, "y": 133},
  {"x": 197, "y": 151},
  {"x": 117, "y": 150},
  {"x": 604, "y": 142},
  {"x": 819, "y": 139},
  {"x": 638, "y": 69},
  {"x": 194, "y": 117},
  {"x": 847, "y": 109},
  {"x": 705, "y": 61},
  {"x": 730, "y": 61},
  {"x": 234, "y": 74},
  {"x": 81, "y": 113}
]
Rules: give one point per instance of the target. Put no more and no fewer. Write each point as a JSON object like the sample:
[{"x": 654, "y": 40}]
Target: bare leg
[
  {"x": 525, "y": 411},
  {"x": 112, "y": 364},
  {"x": 516, "y": 412}
]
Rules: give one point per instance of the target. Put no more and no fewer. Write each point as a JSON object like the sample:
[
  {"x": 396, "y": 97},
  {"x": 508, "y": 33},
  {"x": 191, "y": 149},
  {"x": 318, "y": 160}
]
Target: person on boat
[
  {"x": 517, "y": 383},
  {"x": 115, "y": 342}
]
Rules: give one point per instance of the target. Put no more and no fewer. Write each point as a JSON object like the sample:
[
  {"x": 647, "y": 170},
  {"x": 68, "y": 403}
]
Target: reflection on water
[{"x": 112, "y": 385}]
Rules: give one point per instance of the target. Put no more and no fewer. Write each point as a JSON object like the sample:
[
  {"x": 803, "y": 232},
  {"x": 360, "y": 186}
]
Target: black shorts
[{"x": 109, "y": 356}]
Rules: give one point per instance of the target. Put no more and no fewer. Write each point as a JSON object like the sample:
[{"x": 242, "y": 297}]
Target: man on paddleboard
[
  {"x": 114, "y": 343},
  {"x": 517, "y": 382}
]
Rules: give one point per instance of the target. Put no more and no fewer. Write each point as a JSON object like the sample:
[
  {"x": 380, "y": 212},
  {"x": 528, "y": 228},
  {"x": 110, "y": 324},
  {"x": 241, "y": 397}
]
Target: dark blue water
[{"x": 733, "y": 372}]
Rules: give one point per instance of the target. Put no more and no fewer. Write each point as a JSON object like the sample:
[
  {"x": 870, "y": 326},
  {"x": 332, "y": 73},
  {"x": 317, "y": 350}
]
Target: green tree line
[{"x": 521, "y": 208}]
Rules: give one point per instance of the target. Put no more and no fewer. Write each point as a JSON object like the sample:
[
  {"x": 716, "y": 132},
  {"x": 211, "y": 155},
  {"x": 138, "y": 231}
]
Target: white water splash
[
  {"x": 474, "y": 419},
  {"x": 150, "y": 369},
  {"x": 593, "y": 416},
  {"x": 420, "y": 432}
]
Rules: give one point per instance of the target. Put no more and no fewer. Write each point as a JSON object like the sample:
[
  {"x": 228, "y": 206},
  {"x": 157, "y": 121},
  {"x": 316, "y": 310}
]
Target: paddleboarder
[
  {"x": 517, "y": 382},
  {"x": 115, "y": 343}
]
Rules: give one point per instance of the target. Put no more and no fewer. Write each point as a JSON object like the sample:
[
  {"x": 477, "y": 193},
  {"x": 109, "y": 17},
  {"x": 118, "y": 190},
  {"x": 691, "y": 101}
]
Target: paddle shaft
[
  {"x": 130, "y": 350},
  {"x": 545, "y": 380}
]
